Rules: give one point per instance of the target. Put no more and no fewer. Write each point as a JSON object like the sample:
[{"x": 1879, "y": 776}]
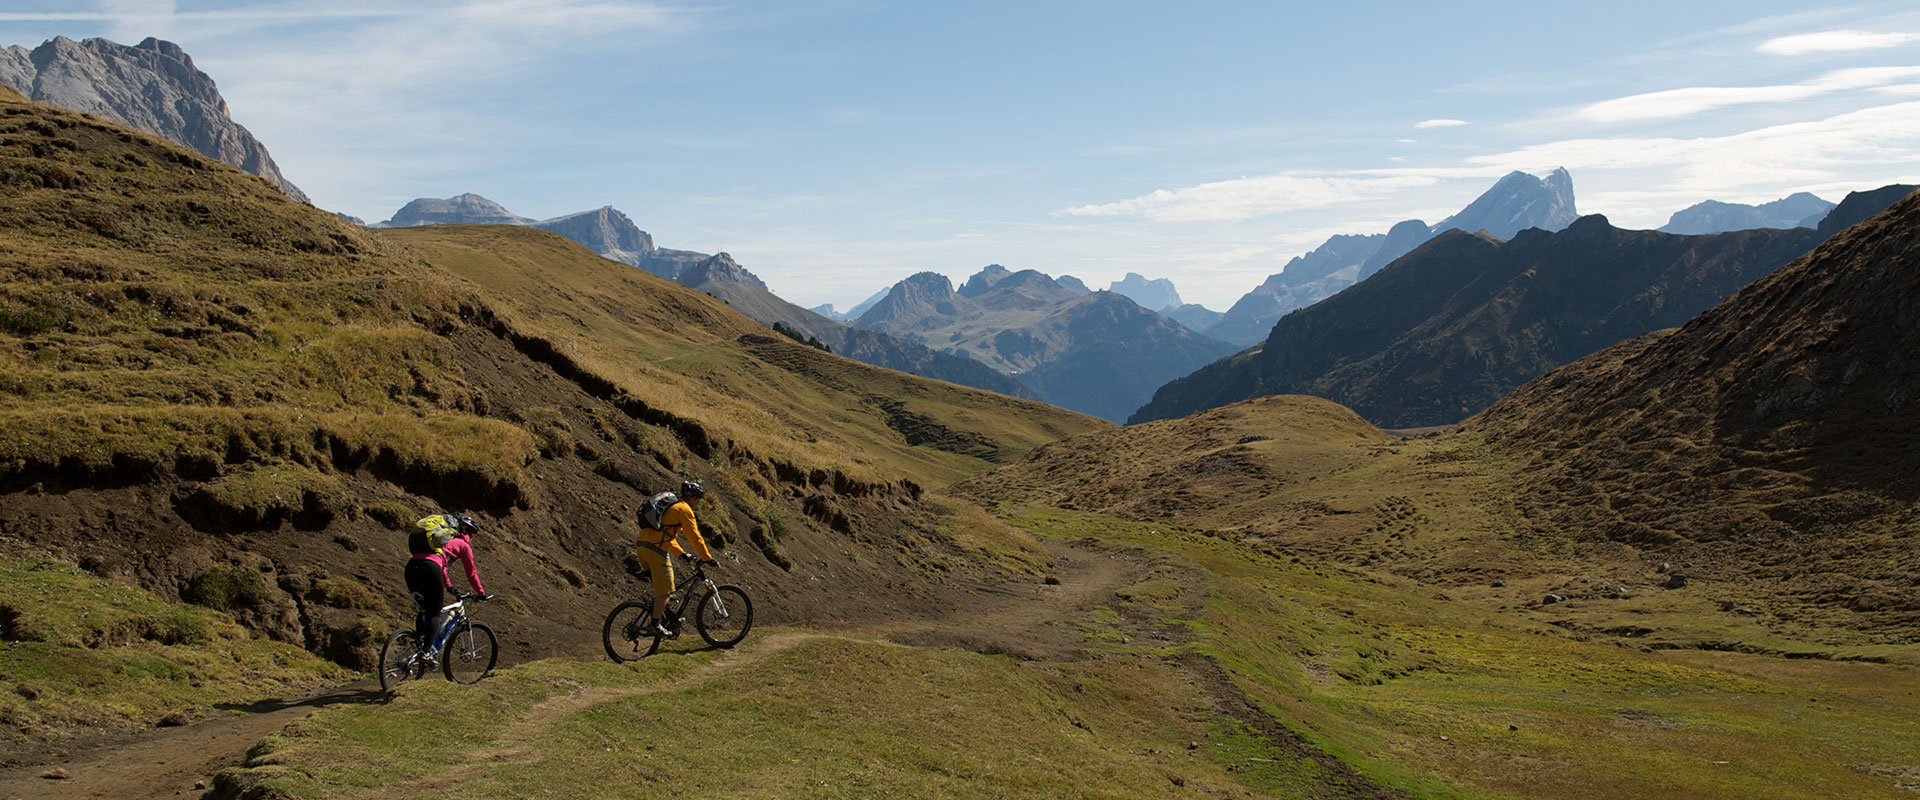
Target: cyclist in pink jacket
[{"x": 437, "y": 541}]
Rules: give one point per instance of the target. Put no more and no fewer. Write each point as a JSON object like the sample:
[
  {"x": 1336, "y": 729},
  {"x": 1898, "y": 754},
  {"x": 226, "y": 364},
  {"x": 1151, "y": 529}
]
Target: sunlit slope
[
  {"x": 689, "y": 355},
  {"x": 232, "y": 400}
]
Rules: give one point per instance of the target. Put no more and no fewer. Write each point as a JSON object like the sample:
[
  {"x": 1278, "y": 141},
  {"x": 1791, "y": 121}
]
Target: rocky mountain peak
[
  {"x": 605, "y": 231},
  {"x": 984, "y": 280},
  {"x": 719, "y": 268},
  {"x": 463, "y": 209},
  {"x": 1153, "y": 294},
  {"x": 1517, "y": 202},
  {"x": 152, "y": 86}
]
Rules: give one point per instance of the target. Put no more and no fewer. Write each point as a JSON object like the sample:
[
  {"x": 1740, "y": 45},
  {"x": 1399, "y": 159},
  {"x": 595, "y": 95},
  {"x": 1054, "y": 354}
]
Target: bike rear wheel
[
  {"x": 469, "y": 653},
  {"x": 399, "y": 661},
  {"x": 724, "y": 615},
  {"x": 628, "y": 633}
]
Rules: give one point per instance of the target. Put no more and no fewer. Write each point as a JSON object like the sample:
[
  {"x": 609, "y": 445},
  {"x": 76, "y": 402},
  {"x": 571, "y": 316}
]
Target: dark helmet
[
  {"x": 463, "y": 524},
  {"x": 692, "y": 489}
]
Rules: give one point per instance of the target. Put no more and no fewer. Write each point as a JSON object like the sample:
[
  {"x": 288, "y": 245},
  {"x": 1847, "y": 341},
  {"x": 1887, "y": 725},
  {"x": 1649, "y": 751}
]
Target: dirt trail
[{"x": 181, "y": 762}]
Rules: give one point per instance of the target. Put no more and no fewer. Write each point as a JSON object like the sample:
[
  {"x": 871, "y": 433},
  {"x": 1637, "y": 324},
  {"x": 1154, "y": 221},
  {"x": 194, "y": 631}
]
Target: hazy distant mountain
[
  {"x": 1072, "y": 283},
  {"x": 1454, "y": 325},
  {"x": 721, "y": 277},
  {"x": 1305, "y": 280},
  {"x": 1514, "y": 203},
  {"x": 861, "y": 307},
  {"x": 1517, "y": 202},
  {"x": 152, "y": 86},
  {"x": 465, "y": 209},
  {"x": 826, "y": 310},
  {"x": 1153, "y": 294},
  {"x": 1713, "y": 216},
  {"x": 603, "y": 230},
  {"x": 1092, "y": 352},
  {"x": 1196, "y": 317}
]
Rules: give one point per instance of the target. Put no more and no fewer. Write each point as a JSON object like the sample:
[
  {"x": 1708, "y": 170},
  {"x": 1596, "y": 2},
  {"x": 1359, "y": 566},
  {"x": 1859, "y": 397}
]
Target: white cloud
[
  {"x": 1834, "y": 42},
  {"x": 1871, "y": 140},
  {"x": 1674, "y": 103},
  {"x": 1439, "y": 123},
  {"x": 1246, "y": 198}
]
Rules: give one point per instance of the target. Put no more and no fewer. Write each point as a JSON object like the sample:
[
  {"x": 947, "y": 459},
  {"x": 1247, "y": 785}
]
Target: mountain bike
[
  {"x": 464, "y": 650},
  {"x": 722, "y": 613}
]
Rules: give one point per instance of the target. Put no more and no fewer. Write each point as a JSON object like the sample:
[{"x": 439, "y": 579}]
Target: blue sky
[{"x": 835, "y": 146}]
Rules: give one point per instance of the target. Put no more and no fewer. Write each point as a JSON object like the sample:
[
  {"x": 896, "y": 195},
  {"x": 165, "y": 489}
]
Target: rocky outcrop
[
  {"x": 1713, "y": 216},
  {"x": 605, "y": 231},
  {"x": 984, "y": 280},
  {"x": 152, "y": 86},
  {"x": 1857, "y": 207},
  {"x": 910, "y": 302},
  {"x": 719, "y": 268}
]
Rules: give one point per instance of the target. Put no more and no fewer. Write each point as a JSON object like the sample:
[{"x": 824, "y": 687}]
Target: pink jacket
[{"x": 460, "y": 549}]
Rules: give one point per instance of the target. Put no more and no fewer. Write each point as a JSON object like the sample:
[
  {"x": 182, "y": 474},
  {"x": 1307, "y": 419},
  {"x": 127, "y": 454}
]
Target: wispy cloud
[
  {"x": 1674, "y": 103},
  {"x": 1834, "y": 42},
  {"x": 1246, "y": 198},
  {"x": 1439, "y": 123},
  {"x": 1885, "y": 139}
]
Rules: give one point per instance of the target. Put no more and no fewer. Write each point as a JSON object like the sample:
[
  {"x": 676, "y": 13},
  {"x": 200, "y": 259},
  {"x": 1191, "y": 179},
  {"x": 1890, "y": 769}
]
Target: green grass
[
  {"x": 77, "y": 650},
  {"x": 1443, "y": 698},
  {"x": 816, "y": 717}
]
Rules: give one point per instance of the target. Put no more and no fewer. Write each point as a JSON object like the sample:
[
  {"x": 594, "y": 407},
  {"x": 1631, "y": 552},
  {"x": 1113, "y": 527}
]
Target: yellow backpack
[{"x": 431, "y": 534}]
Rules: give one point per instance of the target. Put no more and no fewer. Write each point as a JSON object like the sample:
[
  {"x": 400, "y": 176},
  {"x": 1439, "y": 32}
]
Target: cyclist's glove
[{"x": 483, "y": 596}]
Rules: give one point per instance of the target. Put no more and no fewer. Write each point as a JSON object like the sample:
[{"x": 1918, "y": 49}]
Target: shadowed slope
[
  {"x": 1460, "y": 321},
  {"x": 1771, "y": 438}
]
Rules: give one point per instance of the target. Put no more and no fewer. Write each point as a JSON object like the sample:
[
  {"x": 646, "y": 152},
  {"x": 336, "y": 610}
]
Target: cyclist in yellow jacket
[{"x": 657, "y": 545}]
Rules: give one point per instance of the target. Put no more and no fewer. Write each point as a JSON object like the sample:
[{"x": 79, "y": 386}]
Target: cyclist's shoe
[{"x": 660, "y": 629}]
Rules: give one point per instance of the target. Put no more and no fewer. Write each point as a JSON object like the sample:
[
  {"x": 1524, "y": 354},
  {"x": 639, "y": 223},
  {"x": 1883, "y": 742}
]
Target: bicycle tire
[
  {"x": 469, "y": 653},
  {"x": 623, "y": 633},
  {"x": 724, "y": 615},
  {"x": 399, "y": 661}
]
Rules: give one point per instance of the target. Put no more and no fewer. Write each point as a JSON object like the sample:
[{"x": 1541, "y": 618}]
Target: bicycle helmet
[
  {"x": 463, "y": 524},
  {"x": 691, "y": 489}
]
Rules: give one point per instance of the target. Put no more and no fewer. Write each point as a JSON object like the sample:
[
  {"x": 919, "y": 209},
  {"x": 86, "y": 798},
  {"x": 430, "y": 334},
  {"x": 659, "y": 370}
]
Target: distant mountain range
[
  {"x": 1798, "y": 210},
  {"x": 1092, "y": 352},
  {"x": 1514, "y": 203},
  {"x": 611, "y": 234},
  {"x": 1451, "y": 327},
  {"x": 152, "y": 86},
  {"x": 603, "y": 230},
  {"x": 1154, "y": 295}
]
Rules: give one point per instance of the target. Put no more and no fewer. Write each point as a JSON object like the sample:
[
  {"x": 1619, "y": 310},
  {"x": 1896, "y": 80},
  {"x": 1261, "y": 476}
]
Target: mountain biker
[
  {"x": 657, "y": 545},
  {"x": 438, "y": 540}
]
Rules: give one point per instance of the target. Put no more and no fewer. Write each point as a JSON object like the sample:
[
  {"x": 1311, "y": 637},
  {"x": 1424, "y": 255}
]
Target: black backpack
[{"x": 652, "y": 508}]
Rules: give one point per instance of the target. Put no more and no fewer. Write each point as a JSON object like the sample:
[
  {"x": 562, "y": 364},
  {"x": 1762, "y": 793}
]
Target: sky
[{"x": 834, "y": 147}]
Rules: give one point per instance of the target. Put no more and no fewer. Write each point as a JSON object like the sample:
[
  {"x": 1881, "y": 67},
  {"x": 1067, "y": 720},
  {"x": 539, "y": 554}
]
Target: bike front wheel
[
  {"x": 399, "y": 661},
  {"x": 628, "y": 633},
  {"x": 469, "y": 653},
  {"x": 724, "y": 615}
]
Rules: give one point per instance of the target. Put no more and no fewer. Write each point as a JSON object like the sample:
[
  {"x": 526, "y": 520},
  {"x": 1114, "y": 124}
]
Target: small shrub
[
  {"x": 550, "y": 430},
  {"x": 393, "y": 514},
  {"x": 227, "y": 589}
]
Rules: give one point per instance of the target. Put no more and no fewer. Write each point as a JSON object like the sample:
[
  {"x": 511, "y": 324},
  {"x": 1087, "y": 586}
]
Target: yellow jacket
[{"x": 678, "y": 519}]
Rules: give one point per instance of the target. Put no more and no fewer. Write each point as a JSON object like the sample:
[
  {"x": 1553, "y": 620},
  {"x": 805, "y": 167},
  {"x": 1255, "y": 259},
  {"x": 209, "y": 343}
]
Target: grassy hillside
[{"x": 227, "y": 399}]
